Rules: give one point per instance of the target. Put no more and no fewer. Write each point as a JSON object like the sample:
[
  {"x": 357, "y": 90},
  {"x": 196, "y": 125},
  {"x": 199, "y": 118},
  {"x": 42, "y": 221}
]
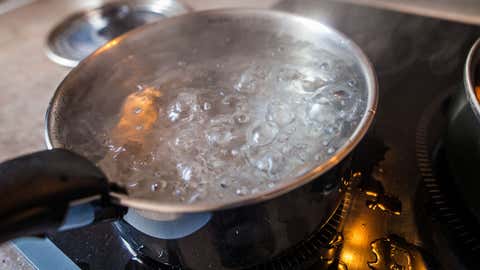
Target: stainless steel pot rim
[
  {"x": 166, "y": 8},
  {"x": 282, "y": 188},
  {"x": 469, "y": 77}
]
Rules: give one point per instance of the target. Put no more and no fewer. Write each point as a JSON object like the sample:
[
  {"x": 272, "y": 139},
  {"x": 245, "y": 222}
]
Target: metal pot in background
[{"x": 463, "y": 135}]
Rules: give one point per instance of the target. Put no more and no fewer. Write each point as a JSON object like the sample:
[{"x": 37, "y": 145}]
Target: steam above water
[{"x": 235, "y": 129}]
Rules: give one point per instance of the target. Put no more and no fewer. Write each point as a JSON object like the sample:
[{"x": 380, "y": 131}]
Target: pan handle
[{"x": 39, "y": 191}]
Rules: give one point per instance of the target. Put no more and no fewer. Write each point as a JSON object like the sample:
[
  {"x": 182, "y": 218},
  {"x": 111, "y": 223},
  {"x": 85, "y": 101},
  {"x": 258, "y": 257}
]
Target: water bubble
[
  {"x": 219, "y": 134},
  {"x": 133, "y": 159},
  {"x": 233, "y": 100},
  {"x": 312, "y": 84},
  {"x": 290, "y": 129},
  {"x": 216, "y": 161},
  {"x": 193, "y": 185},
  {"x": 177, "y": 192},
  {"x": 271, "y": 185},
  {"x": 324, "y": 66},
  {"x": 333, "y": 130},
  {"x": 340, "y": 94},
  {"x": 194, "y": 197},
  {"x": 182, "y": 108},
  {"x": 184, "y": 171},
  {"x": 268, "y": 161},
  {"x": 174, "y": 112},
  {"x": 234, "y": 152},
  {"x": 132, "y": 184},
  {"x": 301, "y": 151},
  {"x": 280, "y": 113},
  {"x": 342, "y": 100},
  {"x": 116, "y": 150},
  {"x": 247, "y": 82},
  {"x": 207, "y": 106},
  {"x": 282, "y": 138},
  {"x": 289, "y": 75},
  {"x": 331, "y": 150},
  {"x": 261, "y": 74},
  {"x": 159, "y": 186},
  {"x": 263, "y": 133},
  {"x": 242, "y": 118},
  {"x": 242, "y": 191},
  {"x": 197, "y": 195},
  {"x": 222, "y": 119},
  {"x": 196, "y": 108},
  {"x": 181, "y": 63},
  {"x": 286, "y": 149},
  {"x": 352, "y": 83},
  {"x": 262, "y": 164},
  {"x": 320, "y": 110},
  {"x": 223, "y": 184},
  {"x": 185, "y": 140}
]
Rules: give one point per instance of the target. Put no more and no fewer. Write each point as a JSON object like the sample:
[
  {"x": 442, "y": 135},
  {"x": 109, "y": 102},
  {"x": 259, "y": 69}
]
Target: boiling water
[{"x": 235, "y": 129}]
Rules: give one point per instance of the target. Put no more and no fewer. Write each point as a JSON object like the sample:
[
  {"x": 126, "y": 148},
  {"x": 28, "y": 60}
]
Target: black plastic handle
[{"x": 36, "y": 190}]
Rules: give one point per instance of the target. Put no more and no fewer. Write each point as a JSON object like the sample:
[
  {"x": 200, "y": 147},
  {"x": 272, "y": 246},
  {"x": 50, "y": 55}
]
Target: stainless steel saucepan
[{"x": 60, "y": 188}]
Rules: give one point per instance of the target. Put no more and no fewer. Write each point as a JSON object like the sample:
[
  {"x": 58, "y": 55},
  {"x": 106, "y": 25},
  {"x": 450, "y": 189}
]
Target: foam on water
[{"x": 218, "y": 133}]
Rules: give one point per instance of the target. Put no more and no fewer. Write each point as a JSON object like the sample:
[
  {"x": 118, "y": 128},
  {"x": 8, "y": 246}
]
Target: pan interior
[{"x": 215, "y": 108}]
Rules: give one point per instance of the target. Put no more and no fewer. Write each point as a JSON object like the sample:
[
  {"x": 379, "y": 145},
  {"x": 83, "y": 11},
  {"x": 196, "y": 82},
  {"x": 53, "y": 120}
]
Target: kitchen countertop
[{"x": 28, "y": 78}]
